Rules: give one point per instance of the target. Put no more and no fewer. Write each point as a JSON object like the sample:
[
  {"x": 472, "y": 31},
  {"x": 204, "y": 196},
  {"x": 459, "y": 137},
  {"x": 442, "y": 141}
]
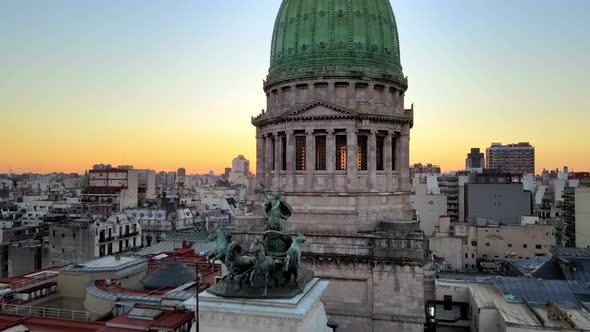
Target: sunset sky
[{"x": 168, "y": 84}]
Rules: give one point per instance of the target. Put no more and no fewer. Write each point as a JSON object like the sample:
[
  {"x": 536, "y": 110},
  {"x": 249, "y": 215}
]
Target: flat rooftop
[{"x": 107, "y": 263}]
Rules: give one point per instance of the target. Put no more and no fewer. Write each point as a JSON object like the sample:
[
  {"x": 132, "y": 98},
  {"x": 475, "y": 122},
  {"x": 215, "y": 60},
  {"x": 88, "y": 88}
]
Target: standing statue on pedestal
[{"x": 276, "y": 211}]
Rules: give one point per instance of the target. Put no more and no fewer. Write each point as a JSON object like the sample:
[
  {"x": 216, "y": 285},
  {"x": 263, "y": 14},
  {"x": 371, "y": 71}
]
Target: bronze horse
[
  {"x": 263, "y": 265},
  {"x": 236, "y": 264},
  {"x": 222, "y": 239}
]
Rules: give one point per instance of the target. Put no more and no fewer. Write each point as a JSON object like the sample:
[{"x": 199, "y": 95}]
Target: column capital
[
  {"x": 330, "y": 131},
  {"x": 290, "y": 131},
  {"x": 275, "y": 134},
  {"x": 373, "y": 131},
  {"x": 352, "y": 131},
  {"x": 309, "y": 131}
]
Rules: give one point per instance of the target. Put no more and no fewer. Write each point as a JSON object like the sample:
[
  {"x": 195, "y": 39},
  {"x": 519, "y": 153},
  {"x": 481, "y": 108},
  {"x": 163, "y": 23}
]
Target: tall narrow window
[
  {"x": 393, "y": 153},
  {"x": 300, "y": 153},
  {"x": 284, "y": 153},
  {"x": 379, "y": 152},
  {"x": 274, "y": 164},
  {"x": 320, "y": 153},
  {"x": 361, "y": 153},
  {"x": 341, "y": 153}
]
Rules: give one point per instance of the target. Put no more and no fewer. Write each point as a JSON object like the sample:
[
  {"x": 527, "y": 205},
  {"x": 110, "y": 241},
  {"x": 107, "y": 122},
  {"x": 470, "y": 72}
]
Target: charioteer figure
[{"x": 276, "y": 210}]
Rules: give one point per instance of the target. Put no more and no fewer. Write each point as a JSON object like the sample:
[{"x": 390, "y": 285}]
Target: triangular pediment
[{"x": 319, "y": 109}]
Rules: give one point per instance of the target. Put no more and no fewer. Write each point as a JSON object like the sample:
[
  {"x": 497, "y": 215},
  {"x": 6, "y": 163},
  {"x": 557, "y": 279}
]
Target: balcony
[
  {"x": 130, "y": 234},
  {"x": 106, "y": 239}
]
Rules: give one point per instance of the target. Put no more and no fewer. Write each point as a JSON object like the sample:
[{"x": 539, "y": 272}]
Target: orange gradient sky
[{"x": 163, "y": 85}]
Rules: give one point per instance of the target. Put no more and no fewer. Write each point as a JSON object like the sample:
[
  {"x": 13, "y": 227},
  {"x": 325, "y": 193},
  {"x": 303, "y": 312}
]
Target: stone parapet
[{"x": 303, "y": 313}]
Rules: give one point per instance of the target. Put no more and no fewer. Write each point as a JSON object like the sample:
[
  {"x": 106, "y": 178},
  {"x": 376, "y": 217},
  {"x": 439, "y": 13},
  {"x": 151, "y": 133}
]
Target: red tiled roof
[
  {"x": 49, "y": 324},
  {"x": 168, "y": 319},
  {"x": 24, "y": 276}
]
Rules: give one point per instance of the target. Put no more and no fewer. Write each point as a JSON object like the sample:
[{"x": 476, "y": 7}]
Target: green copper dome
[{"x": 335, "y": 38}]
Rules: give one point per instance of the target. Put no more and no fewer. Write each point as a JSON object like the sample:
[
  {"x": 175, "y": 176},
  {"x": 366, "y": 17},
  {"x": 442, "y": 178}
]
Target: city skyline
[{"x": 153, "y": 84}]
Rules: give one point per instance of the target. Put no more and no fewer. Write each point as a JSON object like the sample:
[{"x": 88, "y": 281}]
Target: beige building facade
[
  {"x": 463, "y": 246},
  {"x": 582, "y": 216}
]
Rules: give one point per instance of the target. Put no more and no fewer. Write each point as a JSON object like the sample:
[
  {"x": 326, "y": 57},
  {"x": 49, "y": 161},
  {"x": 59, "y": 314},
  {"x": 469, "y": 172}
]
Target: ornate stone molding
[{"x": 298, "y": 114}]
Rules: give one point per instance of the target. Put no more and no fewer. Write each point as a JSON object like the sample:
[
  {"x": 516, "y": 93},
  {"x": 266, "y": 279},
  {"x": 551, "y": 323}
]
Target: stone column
[
  {"x": 277, "y": 178},
  {"x": 351, "y": 95},
  {"x": 268, "y": 161},
  {"x": 372, "y": 160},
  {"x": 290, "y": 160},
  {"x": 388, "y": 159},
  {"x": 331, "y": 91},
  {"x": 388, "y": 96},
  {"x": 260, "y": 154},
  {"x": 309, "y": 160},
  {"x": 351, "y": 164},
  {"x": 404, "y": 160},
  {"x": 395, "y": 98},
  {"x": 330, "y": 159}
]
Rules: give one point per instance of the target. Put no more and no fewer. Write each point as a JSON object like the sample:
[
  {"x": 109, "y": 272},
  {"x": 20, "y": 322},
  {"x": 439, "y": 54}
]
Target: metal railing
[
  {"x": 32, "y": 281},
  {"x": 24, "y": 310}
]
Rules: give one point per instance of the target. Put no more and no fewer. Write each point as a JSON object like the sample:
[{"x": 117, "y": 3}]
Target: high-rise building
[
  {"x": 334, "y": 141},
  {"x": 110, "y": 190},
  {"x": 475, "y": 161},
  {"x": 453, "y": 186},
  {"x": 181, "y": 172},
  {"x": 241, "y": 165},
  {"x": 512, "y": 158},
  {"x": 240, "y": 171},
  {"x": 424, "y": 169},
  {"x": 576, "y": 214}
]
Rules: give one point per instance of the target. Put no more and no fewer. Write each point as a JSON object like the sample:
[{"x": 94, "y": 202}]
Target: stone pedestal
[{"x": 302, "y": 313}]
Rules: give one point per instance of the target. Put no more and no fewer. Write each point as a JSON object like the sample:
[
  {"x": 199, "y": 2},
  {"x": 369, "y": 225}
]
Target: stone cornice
[{"x": 298, "y": 114}]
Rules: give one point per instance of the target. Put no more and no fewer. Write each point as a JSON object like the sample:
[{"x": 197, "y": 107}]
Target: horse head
[
  {"x": 299, "y": 239},
  {"x": 233, "y": 250},
  {"x": 258, "y": 246}
]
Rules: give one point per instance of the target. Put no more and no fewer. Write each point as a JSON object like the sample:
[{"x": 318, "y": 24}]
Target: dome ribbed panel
[{"x": 335, "y": 38}]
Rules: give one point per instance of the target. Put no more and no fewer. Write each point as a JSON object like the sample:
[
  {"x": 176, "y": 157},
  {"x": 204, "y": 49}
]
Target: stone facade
[
  {"x": 372, "y": 179},
  {"x": 378, "y": 279},
  {"x": 304, "y": 313}
]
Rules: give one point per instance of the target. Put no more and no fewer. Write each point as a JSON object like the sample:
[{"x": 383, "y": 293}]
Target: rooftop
[
  {"x": 149, "y": 319},
  {"x": 47, "y": 324},
  {"x": 572, "y": 252},
  {"x": 142, "y": 319},
  {"x": 105, "y": 264},
  {"x": 523, "y": 301}
]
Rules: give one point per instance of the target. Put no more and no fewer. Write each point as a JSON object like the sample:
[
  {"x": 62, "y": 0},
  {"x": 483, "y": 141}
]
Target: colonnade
[{"x": 277, "y": 158}]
